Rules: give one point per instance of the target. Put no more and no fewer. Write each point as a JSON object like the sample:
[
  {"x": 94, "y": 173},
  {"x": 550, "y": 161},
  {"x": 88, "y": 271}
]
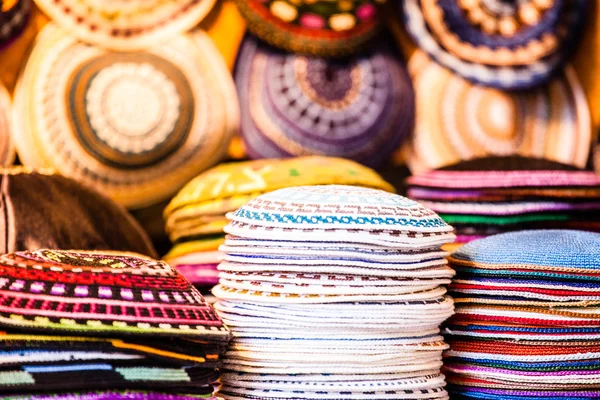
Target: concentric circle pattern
[
  {"x": 458, "y": 120},
  {"x": 505, "y": 44},
  {"x": 7, "y": 150},
  {"x": 137, "y": 126},
  {"x": 292, "y": 105},
  {"x": 126, "y": 24},
  {"x": 316, "y": 27}
]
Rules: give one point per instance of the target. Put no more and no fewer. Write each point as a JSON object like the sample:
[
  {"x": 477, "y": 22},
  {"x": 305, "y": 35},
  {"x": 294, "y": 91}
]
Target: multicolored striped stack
[
  {"x": 500, "y": 194},
  {"x": 527, "y": 321},
  {"x": 98, "y": 325}
]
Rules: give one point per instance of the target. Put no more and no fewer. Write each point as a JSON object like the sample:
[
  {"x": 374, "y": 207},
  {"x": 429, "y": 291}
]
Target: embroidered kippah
[
  {"x": 377, "y": 214},
  {"x": 508, "y": 45},
  {"x": 458, "y": 120},
  {"x": 358, "y": 108},
  {"x": 102, "y": 293},
  {"x": 136, "y": 126},
  {"x": 45, "y": 210},
  {"x": 14, "y": 15},
  {"x": 317, "y": 27},
  {"x": 131, "y": 25},
  {"x": 7, "y": 149}
]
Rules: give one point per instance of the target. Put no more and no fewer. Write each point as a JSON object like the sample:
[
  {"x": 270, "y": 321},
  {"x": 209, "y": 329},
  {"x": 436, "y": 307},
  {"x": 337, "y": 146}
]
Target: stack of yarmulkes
[
  {"x": 334, "y": 292},
  {"x": 505, "y": 44},
  {"x": 527, "y": 324},
  {"x": 196, "y": 216},
  {"x": 494, "y": 195},
  {"x": 104, "y": 323}
]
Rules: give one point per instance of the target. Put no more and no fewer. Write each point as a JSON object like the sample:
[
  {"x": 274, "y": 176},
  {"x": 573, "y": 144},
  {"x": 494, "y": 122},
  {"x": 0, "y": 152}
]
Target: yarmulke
[
  {"x": 497, "y": 43},
  {"x": 363, "y": 216},
  {"x": 44, "y": 210},
  {"x": 195, "y": 218},
  {"x": 492, "y": 195},
  {"x": 7, "y": 149},
  {"x": 320, "y": 307},
  {"x": 358, "y": 108},
  {"x": 527, "y": 317},
  {"x": 74, "y": 288},
  {"x": 136, "y": 126},
  {"x": 458, "y": 120},
  {"x": 320, "y": 27},
  {"x": 14, "y": 15},
  {"x": 226, "y": 181},
  {"x": 534, "y": 248},
  {"x": 133, "y": 25}
]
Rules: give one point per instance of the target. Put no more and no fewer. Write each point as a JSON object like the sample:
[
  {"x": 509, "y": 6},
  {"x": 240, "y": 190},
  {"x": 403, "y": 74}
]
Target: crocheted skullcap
[
  {"x": 130, "y": 25},
  {"x": 137, "y": 126},
  {"x": 358, "y": 108},
  {"x": 503, "y": 44},
  {"x": 321, "y": 27},
  {"x": 458, "y": 120}
]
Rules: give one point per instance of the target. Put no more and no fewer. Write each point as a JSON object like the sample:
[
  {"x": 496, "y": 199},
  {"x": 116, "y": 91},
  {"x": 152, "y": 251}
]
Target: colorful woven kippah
[
  {"x": 7, "y": 149},
  {"x": 509, "y": 45},
  {"x": 358, "y": 108},
  {"x": 137, "y": 126},
  {"x": 133, "y": 25},
  {"x": 98, "y": 293},
  {"x": 458, "y": 120},
  {"x": 45, "y": 210},
  {"x": 14, "y": 15},
  {"x": 318, "y": 27}
]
